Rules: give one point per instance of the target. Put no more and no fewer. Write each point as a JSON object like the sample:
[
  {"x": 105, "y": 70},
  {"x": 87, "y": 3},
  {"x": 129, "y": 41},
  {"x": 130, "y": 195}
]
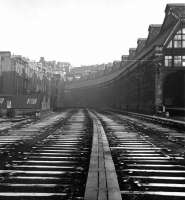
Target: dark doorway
[{"x": 174, "y": 91}]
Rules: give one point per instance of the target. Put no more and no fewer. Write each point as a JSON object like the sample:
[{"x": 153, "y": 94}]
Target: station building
[{"x": 151, "y": 77}]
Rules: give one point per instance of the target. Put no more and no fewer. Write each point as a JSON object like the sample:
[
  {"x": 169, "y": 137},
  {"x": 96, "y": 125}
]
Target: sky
[{"x": 82, "y": 32}]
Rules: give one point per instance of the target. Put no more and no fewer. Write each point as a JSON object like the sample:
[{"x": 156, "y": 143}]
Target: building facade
[{"x": 27, "y": 86}]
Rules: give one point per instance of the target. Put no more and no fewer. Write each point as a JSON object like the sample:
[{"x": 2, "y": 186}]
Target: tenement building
[{"x": 28, "y": 86}]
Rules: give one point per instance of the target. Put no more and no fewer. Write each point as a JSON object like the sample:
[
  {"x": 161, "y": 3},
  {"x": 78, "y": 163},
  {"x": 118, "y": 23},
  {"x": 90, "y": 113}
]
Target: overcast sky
[{"x": 81, "y": 32}]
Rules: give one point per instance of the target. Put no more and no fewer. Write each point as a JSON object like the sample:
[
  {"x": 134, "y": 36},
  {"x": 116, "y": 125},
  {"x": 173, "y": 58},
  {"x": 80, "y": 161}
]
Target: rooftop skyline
[{"x": 82, "y": 32}]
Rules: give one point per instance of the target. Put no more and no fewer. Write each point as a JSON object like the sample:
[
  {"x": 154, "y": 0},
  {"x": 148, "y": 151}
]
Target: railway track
[
  {"x": 53, "y": 166},
  {"x": 144, "y": 169},
  {"x": 154, "y": 119},
  {"x": 80, "y": 154},
  {"x": 13, "y": 123}
]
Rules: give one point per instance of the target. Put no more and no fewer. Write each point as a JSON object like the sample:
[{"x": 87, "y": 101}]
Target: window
[
  {"x": 183, "y": 61},
  {"x": 170, "y": 44},
  {"x": 177, "y": 61},
  {"x": 183, "y": 42},
  {"x": 168, "y": 61},
  {"x": 179, "y": 40},
  {"x": 177, "y": 44}
]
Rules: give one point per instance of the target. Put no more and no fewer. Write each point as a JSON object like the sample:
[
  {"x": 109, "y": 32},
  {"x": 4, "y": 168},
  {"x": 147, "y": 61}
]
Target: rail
[
  {"x": 154, "y": 118},
  {"x": 102, "y": 179}
]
